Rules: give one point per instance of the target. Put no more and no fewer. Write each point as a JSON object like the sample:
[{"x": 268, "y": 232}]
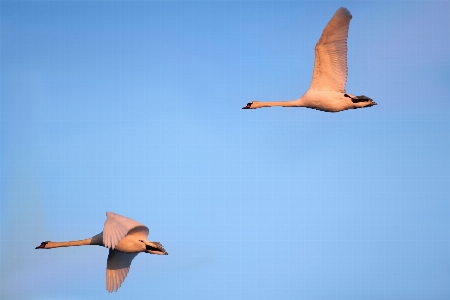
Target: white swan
[
  {"x": 327, "y": 90},
  {"x": 125, "y": 238}
]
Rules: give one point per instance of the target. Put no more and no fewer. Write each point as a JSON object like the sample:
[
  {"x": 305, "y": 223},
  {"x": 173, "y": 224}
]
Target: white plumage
[
  {"x": 125, "y": 239},
  {"x": 327, "y": 90},
  {"x": 330, "y": 64},
  {"x": 117, "y": 268},
  {"x": 117, "y": 227}
]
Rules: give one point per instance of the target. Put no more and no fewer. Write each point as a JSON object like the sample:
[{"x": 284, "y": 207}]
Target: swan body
[
  {"x": 125, "y": 239},
  {"x": 327, "y": 90}
]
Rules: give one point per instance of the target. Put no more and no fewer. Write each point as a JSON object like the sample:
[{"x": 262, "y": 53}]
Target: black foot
[{"x": 361, "y": 98}]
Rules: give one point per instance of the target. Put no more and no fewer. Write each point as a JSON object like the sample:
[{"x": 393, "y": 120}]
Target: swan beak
[
  {"x": 248, "y": 106},
  {"x": 42, "y": 245}
]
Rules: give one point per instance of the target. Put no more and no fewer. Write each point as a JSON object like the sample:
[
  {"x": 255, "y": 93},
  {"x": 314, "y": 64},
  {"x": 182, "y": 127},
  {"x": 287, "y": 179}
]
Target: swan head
[
  {"x": 249, "y": 106},
  {"x": 42, "y": 245},
  {"x": 154, "y": 248}
]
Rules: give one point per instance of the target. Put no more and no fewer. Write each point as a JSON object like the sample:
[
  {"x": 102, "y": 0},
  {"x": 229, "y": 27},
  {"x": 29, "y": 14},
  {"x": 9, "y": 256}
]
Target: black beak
[
  {"x": 42, "y": 245},
  {"x": 248, "y": 106}
]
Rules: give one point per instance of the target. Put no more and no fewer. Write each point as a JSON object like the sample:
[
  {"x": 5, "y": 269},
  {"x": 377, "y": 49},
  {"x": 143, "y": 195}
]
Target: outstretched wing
[
  {"x": 117, "y": 227},
  {"x": 117, "y": 269},
  {"x": 330, "y": 64}
]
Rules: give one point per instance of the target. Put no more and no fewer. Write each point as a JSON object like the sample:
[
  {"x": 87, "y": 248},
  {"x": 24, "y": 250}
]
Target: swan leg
[
  {"x": 155, "y": 248},
  {"x": 364, "y": 104},
  {"x": 357, "y": 99}
]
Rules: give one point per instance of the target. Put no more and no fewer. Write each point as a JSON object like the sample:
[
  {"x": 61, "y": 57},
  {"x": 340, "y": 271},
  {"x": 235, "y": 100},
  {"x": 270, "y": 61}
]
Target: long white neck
[
  {"x": 293, "y": 103},
  {"x": 95, "y": 240}
]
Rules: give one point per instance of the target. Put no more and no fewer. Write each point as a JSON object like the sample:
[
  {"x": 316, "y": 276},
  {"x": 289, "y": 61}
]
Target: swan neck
[
  {"x": 293, "y": 103},
  {"x": 95, "y": 240}
]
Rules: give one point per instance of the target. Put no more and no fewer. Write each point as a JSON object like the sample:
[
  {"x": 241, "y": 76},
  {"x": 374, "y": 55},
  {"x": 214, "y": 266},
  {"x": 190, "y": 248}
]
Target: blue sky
[{"x": 135, "y": 108}]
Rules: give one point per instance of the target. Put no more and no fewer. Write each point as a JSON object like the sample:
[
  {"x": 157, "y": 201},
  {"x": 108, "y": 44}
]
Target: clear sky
[{"x": 135, "y": 108}]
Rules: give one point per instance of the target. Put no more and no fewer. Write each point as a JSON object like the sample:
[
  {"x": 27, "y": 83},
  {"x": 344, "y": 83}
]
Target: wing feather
[
  {"x": 330, "y": 64},
  {"x": 117, "y": 268},
  {"x": 117, "y": 227}
]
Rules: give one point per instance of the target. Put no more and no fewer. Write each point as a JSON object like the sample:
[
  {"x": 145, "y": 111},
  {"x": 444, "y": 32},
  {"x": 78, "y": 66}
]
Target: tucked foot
[
  {"x": 161, "y": 248},
  {"x": 155, "y": 248},
  {"x": 356, "y": 99},
  {"x": 364, "y": 104}
]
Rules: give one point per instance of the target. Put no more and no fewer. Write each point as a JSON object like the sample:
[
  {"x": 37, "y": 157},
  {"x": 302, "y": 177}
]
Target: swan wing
[
  {"x": 117, "y": 227},
  {"x": 330, "y": 64},
  {"x": 117, "y": 268}
]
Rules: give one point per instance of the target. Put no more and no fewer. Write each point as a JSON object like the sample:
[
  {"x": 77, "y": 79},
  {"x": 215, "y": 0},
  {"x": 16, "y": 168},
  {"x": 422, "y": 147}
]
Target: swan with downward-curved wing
[{"x": 125, "y": 239}]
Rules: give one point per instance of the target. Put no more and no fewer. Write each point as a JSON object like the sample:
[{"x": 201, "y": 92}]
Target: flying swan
[
  {"x": 327, "y": 90},
  {"x": 125, "y": 238}
]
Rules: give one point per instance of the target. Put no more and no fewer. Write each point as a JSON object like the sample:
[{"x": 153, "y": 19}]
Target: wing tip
[{"x": 344, "y": 11}]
